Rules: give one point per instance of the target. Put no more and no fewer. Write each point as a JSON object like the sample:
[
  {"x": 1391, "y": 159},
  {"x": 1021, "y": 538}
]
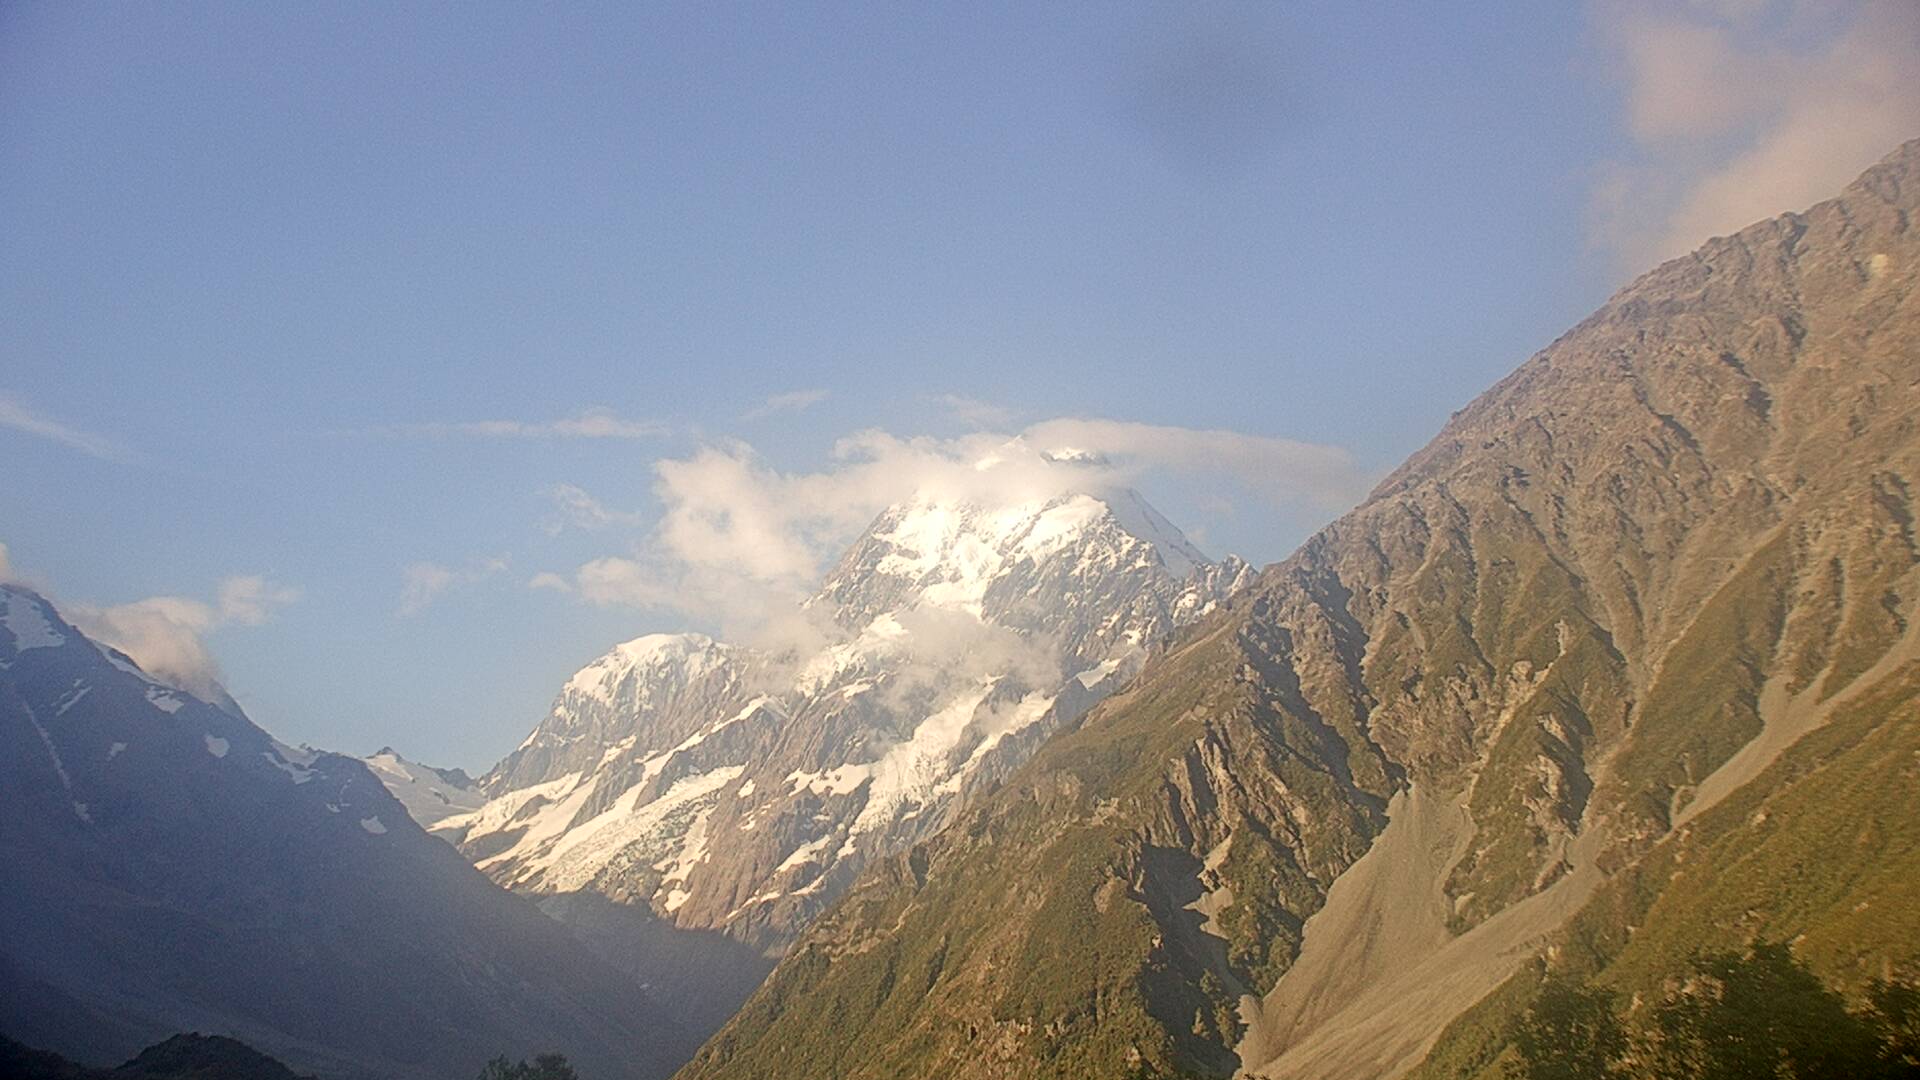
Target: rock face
[
  {"x": 171, "y": 867},
  {"x": 1649, "y": 594},
  {"x": 740, "y": 790}
]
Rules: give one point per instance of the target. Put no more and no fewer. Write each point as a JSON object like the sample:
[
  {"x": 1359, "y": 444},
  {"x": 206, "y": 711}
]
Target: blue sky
[{"x": 335, "y": 328}]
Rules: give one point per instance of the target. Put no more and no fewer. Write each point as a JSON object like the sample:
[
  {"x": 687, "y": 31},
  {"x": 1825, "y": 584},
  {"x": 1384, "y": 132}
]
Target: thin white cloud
[
  {"x": 424, "y": 582},
  {"x": 1280, "y": 471},
  {"x": 6, "y": 567},
  {"x": 165, "y": 635},
  {"x": 1740, "y": 111},
  {"x": 791, "y": 402},
  {"x": 18, "y": 417},
  {"x": 975, "y": 413},
  {"x": 250, "y": 599},
  {"x": 593, "y": 423},
  {"x": 575, "y": 508}
]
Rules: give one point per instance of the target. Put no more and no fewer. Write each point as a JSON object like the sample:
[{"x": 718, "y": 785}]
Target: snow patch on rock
[
  {"x": 70, "y": 699},
  {"x": 299, "y": 775},
  {"x": 28, "y": 623}
]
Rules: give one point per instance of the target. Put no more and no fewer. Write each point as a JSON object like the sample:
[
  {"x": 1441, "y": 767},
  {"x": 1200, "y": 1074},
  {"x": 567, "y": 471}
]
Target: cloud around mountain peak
[
  {"x": 739, "y": 544},
  {"x": 166, "y": 635}
]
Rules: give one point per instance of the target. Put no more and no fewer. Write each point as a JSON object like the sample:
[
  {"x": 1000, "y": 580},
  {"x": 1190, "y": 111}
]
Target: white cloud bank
[
  {"x": 165, "y": 634},
  {"x": 1743, "y": 109},
  {"x": 741, "y": 544}
]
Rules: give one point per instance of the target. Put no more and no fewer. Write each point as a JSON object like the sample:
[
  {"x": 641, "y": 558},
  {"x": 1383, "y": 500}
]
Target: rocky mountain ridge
[
  {"x": 172, "y": 867},
  {"x": 1655, "y": 577}
]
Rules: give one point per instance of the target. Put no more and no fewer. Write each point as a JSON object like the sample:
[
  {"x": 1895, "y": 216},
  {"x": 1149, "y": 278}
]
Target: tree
[
  {"x": 1762, "y": 1014},
  {"x": 1893, "y": 1014},
  {"x": 1570, "y": 1033},
  {"x": 544, "y": 1067}
]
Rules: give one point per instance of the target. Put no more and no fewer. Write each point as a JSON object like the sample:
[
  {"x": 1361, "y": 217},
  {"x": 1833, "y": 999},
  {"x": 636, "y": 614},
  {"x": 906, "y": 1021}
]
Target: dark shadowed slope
[
  {"x": 1632, "y": 589},
  {"x": 170, "y": 867},
  {"x": 182, "y": 1057}
]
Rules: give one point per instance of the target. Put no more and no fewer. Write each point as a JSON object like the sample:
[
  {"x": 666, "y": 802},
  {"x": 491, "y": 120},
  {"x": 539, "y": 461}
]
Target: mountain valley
[{"x": 1585, "y": 743}]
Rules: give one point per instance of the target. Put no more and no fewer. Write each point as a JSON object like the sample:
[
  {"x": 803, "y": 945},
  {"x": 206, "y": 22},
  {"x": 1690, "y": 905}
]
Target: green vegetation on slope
[
  {"x": 1081, "y": 876},
  {"x": 1705, "y": 704},
  {"x": 1723, "y": 1016},
  {"x": 1812, "y": 852}
]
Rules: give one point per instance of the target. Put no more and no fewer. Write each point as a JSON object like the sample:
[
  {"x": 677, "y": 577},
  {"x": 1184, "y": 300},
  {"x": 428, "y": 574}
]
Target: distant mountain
[
  {"x": 1624, "y": 665},
  {"x": 182, "y": 1057},
  {"x": 729, "y": 789},
  {"x": 213, "y": 1057},
  {"x": 430, "y": 795},
  {"x": 171, "y": 867}
]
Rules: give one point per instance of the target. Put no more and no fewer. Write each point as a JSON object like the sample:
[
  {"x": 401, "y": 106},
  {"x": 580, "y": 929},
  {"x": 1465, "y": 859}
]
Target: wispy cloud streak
[
  {"x": 593, "y": 423},
  {"x": 19, "y": 418},
  {"x": 424, "y": 582},
  {"x": 791, "y": 402}
]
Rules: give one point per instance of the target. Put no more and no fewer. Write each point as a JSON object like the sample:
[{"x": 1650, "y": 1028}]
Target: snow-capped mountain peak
[
  {"x": 654, "y": 657},
  {"x": 1134, "y": 516},
  {"x": 26, "y": 620},
  {"x": 986, "y": 559},
  {"x": 430, "y": 795},
  {"x": 732, "y": 789}
]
